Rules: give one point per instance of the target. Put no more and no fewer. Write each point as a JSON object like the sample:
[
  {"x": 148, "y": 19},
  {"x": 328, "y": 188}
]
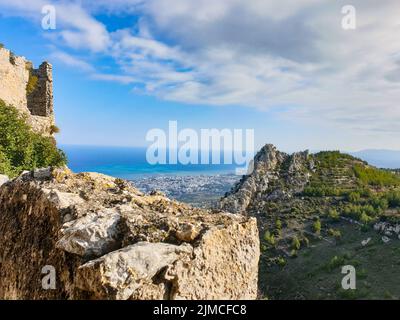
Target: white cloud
[
  {"x": 71, "y": 61},
  {"x": 256, "y": 53},
  {"x": 124, "y": 79}
]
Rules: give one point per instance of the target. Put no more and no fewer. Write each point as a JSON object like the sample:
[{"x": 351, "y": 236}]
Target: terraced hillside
[{"x": 317, "y": 213}]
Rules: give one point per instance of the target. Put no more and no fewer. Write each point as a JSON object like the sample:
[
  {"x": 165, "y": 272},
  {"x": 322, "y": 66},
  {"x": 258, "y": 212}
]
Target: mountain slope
[{"x": 321, "y": 205}]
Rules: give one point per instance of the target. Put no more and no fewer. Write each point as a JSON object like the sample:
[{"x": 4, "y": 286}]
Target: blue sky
[{"x": 287, "y": 70}]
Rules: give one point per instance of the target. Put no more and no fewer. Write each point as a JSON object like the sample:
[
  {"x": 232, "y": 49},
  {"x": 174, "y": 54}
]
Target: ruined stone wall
[{"x": 37, "y": 105}]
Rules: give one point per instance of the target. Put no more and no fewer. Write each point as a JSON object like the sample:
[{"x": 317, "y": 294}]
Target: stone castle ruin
[{"x": 29, "y": 90}]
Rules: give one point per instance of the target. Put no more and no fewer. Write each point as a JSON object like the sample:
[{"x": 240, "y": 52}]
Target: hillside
[{"x": 313, "y": 211}]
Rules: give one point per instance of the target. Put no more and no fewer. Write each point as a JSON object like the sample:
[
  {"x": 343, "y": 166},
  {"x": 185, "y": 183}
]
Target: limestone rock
[
  {"x": 143, "y": 246},
  {"x": 92, "y": 235},
  {"x": 119, "y": 274},
  {"x": 3, "y": 179},
  {"x": 276, "y": 175}
]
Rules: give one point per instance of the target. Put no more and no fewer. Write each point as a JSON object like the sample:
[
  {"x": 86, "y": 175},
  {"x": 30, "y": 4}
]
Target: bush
[
  {"x": 21, "y": 148},
  {"x": 333, "y": 214},
  {"x": 362, "y": 213},
  {"x": 379, "y": 202},
  {"x": 321, "y": 191},
  {"x": 335, "y": 233},
  {"x": 335, "y": 262},
  {"x": 317, "y": 226},
  {"x": 270, "y": 238},
  {"x": 376, "y": 177},
  {"x": 393, "y": 199},
  {"x": 296, "y": 243},
  {"x": 281, "y": 261},
  {"x": 354, "y": 197},
  {"x": 54, "y": 129},
  {"x": 32, "y": 83}
]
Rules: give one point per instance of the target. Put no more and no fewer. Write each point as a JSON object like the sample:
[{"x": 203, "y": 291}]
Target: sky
[{"x": 287, "y": 69}]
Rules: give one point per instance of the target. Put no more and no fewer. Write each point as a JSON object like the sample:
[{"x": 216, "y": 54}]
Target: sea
[{"x": 130, "y": 163}]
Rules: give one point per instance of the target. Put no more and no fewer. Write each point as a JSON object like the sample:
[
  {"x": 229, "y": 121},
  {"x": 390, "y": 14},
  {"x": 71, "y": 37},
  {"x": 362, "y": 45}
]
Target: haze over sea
[{"x": 130, "y": 163}]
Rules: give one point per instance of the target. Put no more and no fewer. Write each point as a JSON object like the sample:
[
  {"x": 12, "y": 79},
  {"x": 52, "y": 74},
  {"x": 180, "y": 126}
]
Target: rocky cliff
[
  {"x": 276, "y": 175},
  {"x": 107, "y": 240},
  {"x": 316, "y": 213},
  {"x": 27, "y": 89}
]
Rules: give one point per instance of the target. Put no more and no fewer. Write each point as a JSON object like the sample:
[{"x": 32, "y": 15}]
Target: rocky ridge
[
  {"x": 276, "y": 175},
  {"x": 107, "y": 240}
]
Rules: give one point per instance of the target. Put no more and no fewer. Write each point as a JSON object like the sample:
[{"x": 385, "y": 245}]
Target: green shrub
[
  {"x": 335, "y": 262},
  {"x": 321, "y": 191},
  {"x": 365, "y": 218},
  {"x": 21, "y": 148},
  {"x": 393, "y": 199},
  {"x": 375, "y": 177},
  {"x": 32, "y": 83},
  {"x": 354, "y": 197},
  {"x": 270, "y": 238},
  {"x": 54, "y": 129},
  {"x": 333, "y": 214},
  {"x": 281, "y": 261},
  {"x": 317, "y": 226},
  {"x": 362, "y": 213},
  {"x": 379, "y": 202},
  {"x": 293, "y": 253},
  {"x": 296, "y": 243},
  {"x": 335, "y": 233}
]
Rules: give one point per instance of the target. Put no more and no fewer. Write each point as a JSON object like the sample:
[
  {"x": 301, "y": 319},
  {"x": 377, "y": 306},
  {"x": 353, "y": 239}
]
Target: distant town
[{"x": 197, "y": 190}]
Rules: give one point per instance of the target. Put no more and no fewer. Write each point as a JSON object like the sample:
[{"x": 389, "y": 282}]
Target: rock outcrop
[
  {"x": 29, "y": 90},
  {"x": 107, "y": 240},
  {"x": 275, "y": 175}
]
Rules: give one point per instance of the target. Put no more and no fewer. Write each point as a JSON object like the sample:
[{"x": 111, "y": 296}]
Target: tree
[{"x": 23, "y": 149}]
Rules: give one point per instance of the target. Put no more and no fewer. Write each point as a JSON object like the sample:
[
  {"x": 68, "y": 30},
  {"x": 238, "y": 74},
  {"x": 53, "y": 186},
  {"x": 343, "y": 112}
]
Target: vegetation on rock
[
  {"x": 21, "y": 148},
  {"x": 349, "y": 210}
]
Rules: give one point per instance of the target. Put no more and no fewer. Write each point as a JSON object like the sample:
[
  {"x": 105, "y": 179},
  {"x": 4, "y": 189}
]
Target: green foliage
[
  {"x": 296, "y": 243},
  {"x": 21, "y": 148},
  {"x": 375, "y": 177},
  {"x": 393, "y": 199},
  {"x": 270, "y": 238},
  {"x": 281, "y": 261},
  {"x": 335, "y": 233},
  {"x": 322, "y": 191},
  {"x": 317, "y": 226},
  {"x": 365, "y": 219},
  {"x": 334, "y": 263},
  {"x": 32, "y": 83},
  {"x": 293, "y": 253},
  {"x": 329, "y": 159},
  {"x": 362, "y": 213},
  {"x": 278, "y": 224},
  {"x": 333, "y": 214},
  {"x": 1, "y": 45},
  {"x": 380, "y": 203},
  {"x": 354, "y": 197},
  {"x": 54, "y": 129}
]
